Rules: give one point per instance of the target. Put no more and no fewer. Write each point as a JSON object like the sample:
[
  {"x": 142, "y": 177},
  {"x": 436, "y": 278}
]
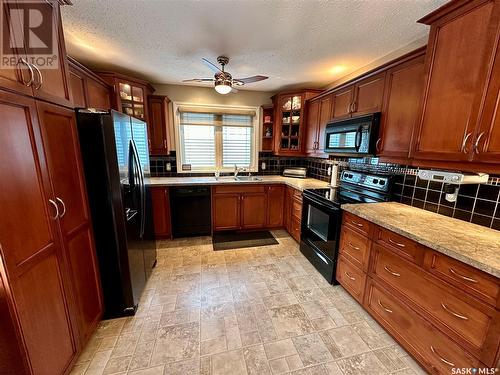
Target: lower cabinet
[
  {"x": 161, "y": 212},
  {"x": 293, "y": 212},
  {"x": 444, "y": 312},
  {"x": 48, "y": 267},
  {"x": 240, "y": 207}
]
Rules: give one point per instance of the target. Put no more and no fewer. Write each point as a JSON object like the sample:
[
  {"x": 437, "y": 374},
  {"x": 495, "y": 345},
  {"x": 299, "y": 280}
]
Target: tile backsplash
[{"x": 478, "y": 204}]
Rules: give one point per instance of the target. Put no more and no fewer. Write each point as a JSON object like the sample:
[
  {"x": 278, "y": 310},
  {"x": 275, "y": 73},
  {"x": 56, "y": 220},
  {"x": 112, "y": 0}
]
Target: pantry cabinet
[
  {"x": 463, "y": 42},
  {"x": 240, "y": 207},
  {"x": 88, "y": 90},
  {"x": 401, "y": 107}
]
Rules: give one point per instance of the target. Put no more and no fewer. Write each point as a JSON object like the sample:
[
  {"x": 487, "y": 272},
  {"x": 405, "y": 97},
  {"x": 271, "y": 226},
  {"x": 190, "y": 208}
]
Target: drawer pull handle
[
  {"x": 385, "y": 308},
  {"x": 349, "y": 276},
  {"x": 462, "y": 276},
  {"x": 441, "y": 358},
  {"x": 391, "y": 271},
  {"x": 396, "y": 243},
  {"x": 354, "y": 247},
  {"x": 448, "y": 310},
  {"x": 356, "y": 223}
]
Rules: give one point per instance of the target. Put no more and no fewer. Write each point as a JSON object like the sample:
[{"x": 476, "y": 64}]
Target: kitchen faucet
[{"x": 238, "y": 170}]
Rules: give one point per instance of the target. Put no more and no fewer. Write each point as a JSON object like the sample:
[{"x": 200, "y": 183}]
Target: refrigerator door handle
[{"x": 142, "y": 188}]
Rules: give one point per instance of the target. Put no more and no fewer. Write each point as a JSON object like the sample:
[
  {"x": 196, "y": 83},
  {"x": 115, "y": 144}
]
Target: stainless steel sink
[{"x": 248, "y": 178}]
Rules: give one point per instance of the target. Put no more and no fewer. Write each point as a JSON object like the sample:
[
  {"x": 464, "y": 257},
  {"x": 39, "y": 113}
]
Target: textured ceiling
[{"x": 307, "y": 42}]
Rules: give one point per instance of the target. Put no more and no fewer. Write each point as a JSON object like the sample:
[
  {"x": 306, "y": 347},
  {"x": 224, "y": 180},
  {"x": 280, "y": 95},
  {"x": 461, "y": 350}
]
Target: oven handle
[
  {"x": 319, "y": 203},
  {"x": 357, "y": 144},
  {"x": 321, "y": 257}
]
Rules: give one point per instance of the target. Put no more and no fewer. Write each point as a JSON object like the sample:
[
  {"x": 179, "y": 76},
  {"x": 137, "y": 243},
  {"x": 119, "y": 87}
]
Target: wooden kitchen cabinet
[
  {"x": 401, "y": 108},
  {"x": 88, "y": 89},
  {"x": 459, "y": 55},
  {"x": 452, "y": 322},
  {"x": 161, "y": 211},
  {"x": 276, "y": 199},
  {"x": 159, "y": 119},
  {"x": 289, "y": 122},
  {"x": 359, "y": 98},
  {"x": 293, "y": 212},
  {"x": 226, "y": 211},
  {"x": 253, "y": 210},
  {"x": 62, "y": 149},
  {"x": 321, "y": 113}
]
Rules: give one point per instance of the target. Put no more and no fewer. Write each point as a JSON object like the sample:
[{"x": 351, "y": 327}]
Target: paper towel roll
[{"x": 335, "y": 176}]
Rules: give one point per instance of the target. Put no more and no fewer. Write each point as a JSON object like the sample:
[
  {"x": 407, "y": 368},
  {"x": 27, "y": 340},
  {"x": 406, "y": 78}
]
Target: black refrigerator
[{"x": 115, "y": 157}]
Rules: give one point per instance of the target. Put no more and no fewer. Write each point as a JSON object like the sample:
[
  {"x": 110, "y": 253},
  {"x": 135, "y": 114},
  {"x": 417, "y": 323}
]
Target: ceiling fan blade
[
  {"x": 250, "y": 79},
  {"x": 198, "y": 80},
  {"x": 211, "y": 66}
]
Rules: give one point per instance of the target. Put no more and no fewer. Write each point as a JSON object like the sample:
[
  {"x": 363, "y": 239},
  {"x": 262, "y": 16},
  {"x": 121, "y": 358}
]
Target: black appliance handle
[
  {"x": 131, "y": 165},
  {"x": 142, "y": 188},
  {"x": 359, "y": 135},
  {"x": 319, "y": 203}
]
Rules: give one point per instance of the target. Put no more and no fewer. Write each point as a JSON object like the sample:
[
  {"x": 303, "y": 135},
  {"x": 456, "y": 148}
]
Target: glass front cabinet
[{"x": 289, "y": 124}]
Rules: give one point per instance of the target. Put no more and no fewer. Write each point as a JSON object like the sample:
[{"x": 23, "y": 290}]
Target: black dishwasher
[{"x": 191, "y": 211}]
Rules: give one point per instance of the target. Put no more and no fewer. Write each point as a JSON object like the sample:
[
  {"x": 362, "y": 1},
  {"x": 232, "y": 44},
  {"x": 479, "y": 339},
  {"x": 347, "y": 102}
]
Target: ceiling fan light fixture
[{"x": 223, "y": 87}]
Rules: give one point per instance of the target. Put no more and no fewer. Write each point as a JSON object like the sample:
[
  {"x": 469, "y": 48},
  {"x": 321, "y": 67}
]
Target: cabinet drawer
[
  {"x": 351, "y": 278},
  {"x": 358, "y": 224},
  {"x": 438, "y": 352},
  {"x": 297, "y": 208},
  {"x": 295, "y": 228},
  {"x": 469, "y": 320},
  {"x": 237, "y": 188},
  {"x": 403, "y": 246},
  {"x": 469, "y": 279},
  {"x": 355, "y": 246},
  {"x": 297, "y": 194}
]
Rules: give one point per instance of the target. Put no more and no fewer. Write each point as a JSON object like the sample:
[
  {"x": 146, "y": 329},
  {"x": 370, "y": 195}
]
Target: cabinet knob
[
  {"x": 377, "y": 145},
  {"x": 28, "y": 82},
  {"x": 63, "y": 206},
  {"x": 476, "y": 144},
  {"x": 54, "y": 204},
  {"x": 464, "y": 143}
]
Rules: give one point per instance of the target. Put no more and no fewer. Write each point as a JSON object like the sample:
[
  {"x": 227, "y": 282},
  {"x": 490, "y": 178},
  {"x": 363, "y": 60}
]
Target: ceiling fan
[{"x": 223, "y": 81}]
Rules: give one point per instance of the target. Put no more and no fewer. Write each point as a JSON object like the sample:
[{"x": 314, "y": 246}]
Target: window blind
[{"x": 210, "y": 141}]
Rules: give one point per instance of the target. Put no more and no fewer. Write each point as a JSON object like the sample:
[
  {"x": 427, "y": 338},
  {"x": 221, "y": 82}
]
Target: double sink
[{"x": 241, "y": 178}]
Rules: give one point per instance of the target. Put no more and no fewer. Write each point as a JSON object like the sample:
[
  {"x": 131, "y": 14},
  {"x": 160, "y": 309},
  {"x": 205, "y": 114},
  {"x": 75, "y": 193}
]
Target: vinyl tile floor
[{"x": 254, "y": 311}]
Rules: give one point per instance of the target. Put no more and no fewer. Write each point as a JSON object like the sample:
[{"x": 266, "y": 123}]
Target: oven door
[{"x": 321, "y": 226}]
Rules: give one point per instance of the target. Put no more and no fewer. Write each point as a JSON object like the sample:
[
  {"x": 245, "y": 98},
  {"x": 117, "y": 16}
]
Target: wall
[{"x": 207, "y": 95}]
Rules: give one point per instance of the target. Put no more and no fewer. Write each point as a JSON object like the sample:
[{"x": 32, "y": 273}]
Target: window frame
[{"x": 218, "y": 138}]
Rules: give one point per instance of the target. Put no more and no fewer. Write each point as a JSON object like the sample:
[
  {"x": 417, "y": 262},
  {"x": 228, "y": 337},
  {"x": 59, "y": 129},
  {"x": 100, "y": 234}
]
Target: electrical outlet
[
  {"x": 263, "y": 166},
  {"x": 168, "y": 167},
  {"x": 329, "y": 171}
]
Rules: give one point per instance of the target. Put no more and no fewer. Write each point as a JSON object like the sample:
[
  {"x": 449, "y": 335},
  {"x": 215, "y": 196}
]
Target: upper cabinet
[
  {"x": 130, "y": 94},
  {"x": 289, "y": 124},
  {"x": 267, "y": 127},
  {"x": 362, "y": 97},
  {"x": 32, "y": 75},
  {"x": 159, "y": 118},
  {"x": 401, "y": 107},
  {"x": 319, "y": 113},
  {"x": 457, "y": 121},
  {"x": 88, "y": 90}
]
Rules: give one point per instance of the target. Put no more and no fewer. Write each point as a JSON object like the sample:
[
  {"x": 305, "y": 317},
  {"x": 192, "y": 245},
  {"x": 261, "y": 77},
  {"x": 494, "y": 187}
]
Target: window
[{"x": 214, "y": 138}]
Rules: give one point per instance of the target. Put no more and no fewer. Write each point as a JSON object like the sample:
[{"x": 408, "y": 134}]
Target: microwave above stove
[{"x": 354, "y": 136}]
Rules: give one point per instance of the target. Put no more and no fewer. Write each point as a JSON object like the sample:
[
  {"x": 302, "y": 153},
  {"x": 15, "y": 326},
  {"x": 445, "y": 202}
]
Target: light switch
[{"x": 263, "y": 166}]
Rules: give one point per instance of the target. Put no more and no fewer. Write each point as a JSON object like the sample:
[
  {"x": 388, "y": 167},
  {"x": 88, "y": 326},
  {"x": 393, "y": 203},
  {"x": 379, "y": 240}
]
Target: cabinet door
[
  {"x": 275, "y": 197},
  {"x": 402, "y": 103},
  {"x": 17, "y": 76},
  {"x": 161, "y": 212},
  {"x": 369, "y": 95},
  {"x": 65, "y": 167},
  {"x": 458, "y": 52},
  {"x": 325, "y": 114},
  {"x": 226, "y": 211},
  {"x": 53, "y": 84},
  {"x": 158, "y": 125},
  {"x": 312, "y": 126},
  {"x": 488, "y": 135},
  {"x": 77, "y": 86},
  {"x": 97, "y": 95},
  {"x": 342, "y": 101},
  {"x": 253, "y": 210},
  {"x": 30, "y": 242}
]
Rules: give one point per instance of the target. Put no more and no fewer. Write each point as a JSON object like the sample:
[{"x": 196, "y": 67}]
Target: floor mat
[{"x": 232, "y": 241}]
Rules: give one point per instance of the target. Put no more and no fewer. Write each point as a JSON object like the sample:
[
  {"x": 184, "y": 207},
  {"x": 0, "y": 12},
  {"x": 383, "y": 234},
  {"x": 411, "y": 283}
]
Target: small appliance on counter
[
  {"x": 322, "y": 216},
  {"x": 353, "y": 137},
  {"x": 297, "y": 172}
]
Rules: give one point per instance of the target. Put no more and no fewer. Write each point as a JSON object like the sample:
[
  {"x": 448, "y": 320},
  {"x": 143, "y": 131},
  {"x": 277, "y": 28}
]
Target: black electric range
[{"x": 322, "y": 216}]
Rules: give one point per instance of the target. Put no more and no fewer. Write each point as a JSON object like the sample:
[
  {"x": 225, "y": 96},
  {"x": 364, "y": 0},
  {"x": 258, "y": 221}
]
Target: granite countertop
[
  {"x": 296, "y": 183},
  {"x": 470, "y": 243}
]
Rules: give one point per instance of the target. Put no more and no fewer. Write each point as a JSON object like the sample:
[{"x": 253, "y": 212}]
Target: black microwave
[{"x": 354, "y": 136}]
